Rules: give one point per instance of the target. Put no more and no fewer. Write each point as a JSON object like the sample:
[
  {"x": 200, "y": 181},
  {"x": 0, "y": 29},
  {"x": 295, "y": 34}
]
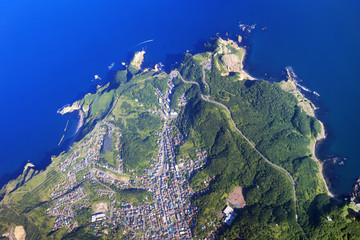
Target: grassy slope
[
  {"x": 133, "y": 113},
  {"x": 27, "y": 205}
]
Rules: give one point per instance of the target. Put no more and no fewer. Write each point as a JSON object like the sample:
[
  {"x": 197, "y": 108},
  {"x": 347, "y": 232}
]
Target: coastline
[
  {"x": 294, "y": 88},
  {"x": 81, "y": 121},
  {"x": 318, "y": 139},
  {"x": 76, "y": 106},
  {"x": 306, "y": 105}
]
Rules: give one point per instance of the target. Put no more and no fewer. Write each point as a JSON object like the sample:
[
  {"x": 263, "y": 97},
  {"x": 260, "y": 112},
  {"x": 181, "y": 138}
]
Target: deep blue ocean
[{"x": 51, "y": 50}]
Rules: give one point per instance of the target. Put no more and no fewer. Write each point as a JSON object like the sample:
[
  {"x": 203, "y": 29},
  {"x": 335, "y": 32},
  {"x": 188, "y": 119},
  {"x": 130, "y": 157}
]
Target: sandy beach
[{"x": 81, "y": 121}]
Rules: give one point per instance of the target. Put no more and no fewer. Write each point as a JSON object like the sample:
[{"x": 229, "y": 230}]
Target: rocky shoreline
[
  {"x": 76, "y": 106},
  {"x": 355, "y": 195},
  {"x": 306, "y": 105},
  {"x": 319, "y": 138}
]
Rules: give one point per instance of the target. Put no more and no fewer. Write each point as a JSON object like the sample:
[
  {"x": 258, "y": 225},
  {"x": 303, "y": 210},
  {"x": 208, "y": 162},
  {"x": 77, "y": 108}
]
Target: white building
[
  {"x": 97, "y": 217},
  {"x": 173, "y": 114},
  {"x": 229, "y": 215}
]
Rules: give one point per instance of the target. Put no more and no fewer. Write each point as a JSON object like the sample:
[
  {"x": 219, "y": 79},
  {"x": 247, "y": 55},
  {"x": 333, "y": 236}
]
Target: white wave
[
  {"x": 303, "y": 88},
  {"x": 293, "y": 76},
  {"x": 315, "y": 93},
  {"x": 147, "y": 41}
]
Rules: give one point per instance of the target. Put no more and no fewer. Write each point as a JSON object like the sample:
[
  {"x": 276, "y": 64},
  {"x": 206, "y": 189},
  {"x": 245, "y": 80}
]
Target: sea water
[{"x": 50, "y": 52}]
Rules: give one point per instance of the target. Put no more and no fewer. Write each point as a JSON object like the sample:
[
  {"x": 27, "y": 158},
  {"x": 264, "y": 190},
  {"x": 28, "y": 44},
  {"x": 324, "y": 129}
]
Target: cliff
[
  {"x": 68, "y": 109},
  {"x": 230, "y": 58},
  {"x": 137, "y": 60}
]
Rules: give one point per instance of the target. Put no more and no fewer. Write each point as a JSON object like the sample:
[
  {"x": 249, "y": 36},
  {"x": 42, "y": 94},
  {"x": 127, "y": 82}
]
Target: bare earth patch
[
  {"x": 138, "y": 59},
  {"x": 100, "y": 207},
  {"x": 232, "y": 62},
  {"x": 236, "y": 198},
  {"x": 231, "y": 59},
  {"x": 20, "y": 233}
]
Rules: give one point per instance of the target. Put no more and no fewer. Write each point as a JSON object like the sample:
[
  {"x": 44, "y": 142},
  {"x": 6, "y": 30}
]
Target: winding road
[{"x": 207, "y": 99}]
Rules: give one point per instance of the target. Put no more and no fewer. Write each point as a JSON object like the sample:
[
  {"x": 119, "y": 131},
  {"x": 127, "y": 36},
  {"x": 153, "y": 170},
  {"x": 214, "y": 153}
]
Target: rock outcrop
[
  {"x": 290, "y": 86},
  {"x": 68, "y": 109},
  {"x": 355, "y": 195},
  {"x": 231, "y": 58},
  {"x": 137, "y": 60}
]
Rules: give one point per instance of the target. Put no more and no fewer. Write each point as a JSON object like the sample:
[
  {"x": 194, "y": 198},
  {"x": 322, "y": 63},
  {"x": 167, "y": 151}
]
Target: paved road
[
  {"x": 207, "y": 99},
  {"x": 208, "y": 61},
  {"x": 93, "y": 170}
]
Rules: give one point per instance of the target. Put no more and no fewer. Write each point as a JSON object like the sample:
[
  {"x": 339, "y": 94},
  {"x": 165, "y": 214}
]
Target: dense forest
[{"x": 273, "y": 121}]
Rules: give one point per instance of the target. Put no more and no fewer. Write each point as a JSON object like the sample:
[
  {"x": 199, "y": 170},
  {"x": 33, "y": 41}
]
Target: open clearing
[
  {"x": 20, "y": 233},
  {"x": 100, "y": 207},
  {"x": 236, "y": 198}
]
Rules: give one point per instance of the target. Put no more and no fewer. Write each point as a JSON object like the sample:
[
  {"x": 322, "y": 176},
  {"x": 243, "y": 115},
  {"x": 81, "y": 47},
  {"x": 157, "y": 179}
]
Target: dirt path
[{"x": 11, "y": 234}]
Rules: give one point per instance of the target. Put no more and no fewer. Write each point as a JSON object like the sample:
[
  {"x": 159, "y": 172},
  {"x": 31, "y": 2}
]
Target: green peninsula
[{"x": 205, "y": 151}]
